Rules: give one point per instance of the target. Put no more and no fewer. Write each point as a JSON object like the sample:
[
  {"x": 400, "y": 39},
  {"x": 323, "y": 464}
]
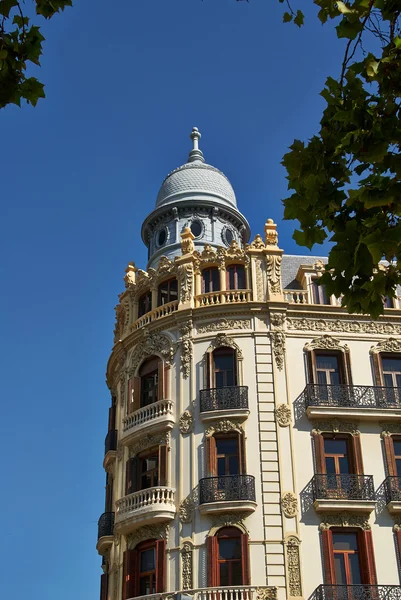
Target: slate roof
[{"x": 290, "y": 266}]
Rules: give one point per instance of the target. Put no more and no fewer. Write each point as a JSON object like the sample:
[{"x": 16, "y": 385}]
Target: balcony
[
  {"x": 105, "y": 532},
  {"x": 154, "y": 417},
  {"x": 217, "y": 403},
  {"x": 227, "y": 493},
  {"x": 392, "y": 490},
  {"x": 157, "y": 313},
  {"x": 238, "y": 592},
  {"x": 367, "y": 402},
  {"x": 354, "y": 493},
  {"x": 358, "y": 592},
  {"x": 153, "y": 505},
  {"x": 110, "y": 447},
  {"x": 223, "y": 297}
]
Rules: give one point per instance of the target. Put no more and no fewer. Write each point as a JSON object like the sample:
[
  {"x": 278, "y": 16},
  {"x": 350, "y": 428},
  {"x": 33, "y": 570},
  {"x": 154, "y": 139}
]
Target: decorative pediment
[
  {"x": 152, "y": 344},
  {"x": 257, "y": 244},
  {"x": 235, "y": 252},
  {"x": 147, "y": 532},
  {"x": 389, "y": 345},
  {"x": 326, "y": 342},
  {"x": 223, "y": 426},
  {"x": 165, "y": 267},
  {"x": 335, "y": 426},
  {"x": 223, "y": 340},
  {"x": 148, "y": 441},
  {"x": 344, "y": 519}
]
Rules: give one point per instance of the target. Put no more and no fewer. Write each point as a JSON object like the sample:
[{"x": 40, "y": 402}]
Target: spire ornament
[{"x": 195, "y": 154}]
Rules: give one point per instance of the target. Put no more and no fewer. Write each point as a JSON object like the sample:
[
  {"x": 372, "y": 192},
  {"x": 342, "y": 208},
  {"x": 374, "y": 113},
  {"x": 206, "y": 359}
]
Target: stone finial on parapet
[
  {"x": 130, "y": 276},
  {"x": 187, "y": 245},
  {"x": 271, "y": 235}
]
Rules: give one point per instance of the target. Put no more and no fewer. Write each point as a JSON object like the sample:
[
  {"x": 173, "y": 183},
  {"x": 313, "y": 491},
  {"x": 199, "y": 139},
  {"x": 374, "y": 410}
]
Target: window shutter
[
  {"x": 318, "y": 444},
  {"x": 348, "y": 372},
  {"x": 212, "y": 566},
  {"x": 245, "y": 559},
  {"x": 211, "y": 457},
  {"x": 310, "y": 366},
  {"x": 103, "y": 586},
  {"x": 389, "y": 452},
  {"x": 131, "y": 475},
  {"x": 357, "y": 454},
  {"x": 242, "y": 454},
  {"x": 160, "y": 380},
  {"x": 368, "y": 566},
  {"x": 109, "y": 494},
  {"x": 209, "y": 383},
  {"x": 160, "y": 566},
  {"x": 235, "y": 359},
  {"x": 134, "y": 394},
  {"x": 377, "y": 371},
  {"x": 112, "y": 418},
  {"x": 130, "y": 560},
  {"x": 328, "y": 557},
  {"x": 163, "y": 449}
]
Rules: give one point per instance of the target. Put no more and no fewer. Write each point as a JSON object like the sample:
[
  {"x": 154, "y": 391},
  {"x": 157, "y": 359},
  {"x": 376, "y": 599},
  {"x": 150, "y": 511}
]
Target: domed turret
[{"x": 198, "y": 196}]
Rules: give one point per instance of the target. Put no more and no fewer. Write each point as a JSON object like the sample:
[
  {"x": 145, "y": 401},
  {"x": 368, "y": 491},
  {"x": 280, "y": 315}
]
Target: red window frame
[
  {"x": 235, "y": 272},
  {"x": 213, "y": 555},
  {"x": 131, "y": 568},
  {"x": 365, "y": 546}
]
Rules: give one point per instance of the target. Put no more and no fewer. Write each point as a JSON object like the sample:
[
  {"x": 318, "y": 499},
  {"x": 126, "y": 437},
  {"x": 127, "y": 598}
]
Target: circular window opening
[
  {"x": 196, "y": 228},
  {"x": 229, "y": 236},
  {"x": 161, "y": 237}
]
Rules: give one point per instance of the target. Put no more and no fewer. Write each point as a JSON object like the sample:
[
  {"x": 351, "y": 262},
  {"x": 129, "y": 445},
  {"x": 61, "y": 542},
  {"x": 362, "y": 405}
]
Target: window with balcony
[
  {"x": 146, "y": 470},
  {"x": 228, "y": 563},
  {"x": 387, "y": 374},
  {"x": 144, "y": 569},
  {"x": 144, "y": 304},
  {"x": 210, "y": 280},
  {"x": 222, "y": 368},
  {"x": 319, "y": 295},
  {"x": 167, "y": 292},
  {"x": 236, "y": 277},
  {"x": 391, "y": 366},
  {"x": 150, "y": 386},
  {"x": 348, "y": 559},
  {"x": 329, "y": 378}
]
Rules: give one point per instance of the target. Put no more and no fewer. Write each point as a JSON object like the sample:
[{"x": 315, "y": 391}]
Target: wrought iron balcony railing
[
  {"x": 352, "y": 396},
  {"x": 110, "y": 442},
  {"x": 358, "y": 592},
  {"x": 227, "y": 488},
  {"x": 105, "y": 525},
  {"x": 224, "y": 398},
  {"x": 392, "y": 489},
  {"x": 343, "y": 487}
]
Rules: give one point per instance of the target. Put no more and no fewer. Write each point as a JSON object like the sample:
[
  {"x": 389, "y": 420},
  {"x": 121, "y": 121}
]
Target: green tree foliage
[
  {"x": 21, "y": 43},
  {"x": 346, "y": 180}
]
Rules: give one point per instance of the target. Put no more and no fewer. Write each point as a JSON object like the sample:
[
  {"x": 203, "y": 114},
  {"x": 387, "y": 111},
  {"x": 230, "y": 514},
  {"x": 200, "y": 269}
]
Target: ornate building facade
[{"x": 254, "y": 439}]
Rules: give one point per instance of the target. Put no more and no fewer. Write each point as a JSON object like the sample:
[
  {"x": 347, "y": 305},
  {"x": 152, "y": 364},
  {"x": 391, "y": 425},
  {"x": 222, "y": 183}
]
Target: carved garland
[
  {"x": 224, "y": 324},
  {"x": 147, "y": 532},
  {"x": 344, "y": 519},
  {"x": 293, "y": 566},
  {"x": 228, "y": 520},
  {"x": 273, "y": 269},
  {"x": 335, "y": 426},
  {"x": 389, "y": 345},
  {"x": 326, "y": 342},
  {"x": 269, "y": 593},
  {"x": 223, "y": 426},
  {"x": 343, "y": 326}
]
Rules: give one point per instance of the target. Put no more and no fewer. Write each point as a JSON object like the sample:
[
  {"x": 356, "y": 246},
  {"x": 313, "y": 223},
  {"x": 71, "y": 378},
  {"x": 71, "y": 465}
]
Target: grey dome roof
[{"x": 196, "y": 180}]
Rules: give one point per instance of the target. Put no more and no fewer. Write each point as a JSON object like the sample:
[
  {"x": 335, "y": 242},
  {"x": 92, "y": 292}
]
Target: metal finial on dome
[{"x": 195, "y": 154}]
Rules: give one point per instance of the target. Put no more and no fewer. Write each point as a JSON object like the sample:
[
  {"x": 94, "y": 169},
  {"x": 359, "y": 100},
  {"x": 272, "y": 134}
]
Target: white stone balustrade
[
  {"x": 296, "y": 296},
  {"x": 157, "y": 313},
  {"x": 153, "y": 505},
  {"x": 244, "y": 592},
  {"x": 226, "y": 296},
  {"x": 162, "y": 409}
]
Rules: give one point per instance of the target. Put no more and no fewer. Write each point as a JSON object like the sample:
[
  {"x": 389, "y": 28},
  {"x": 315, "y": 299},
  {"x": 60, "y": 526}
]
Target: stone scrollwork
[
  {"x": 293, "y": 566},
  {"x": 273, "y": 269},
  {"x": 277, "y": 319},
  {"x": 185, "y": 274},
  {"x": 335, "y": 426},
  {"x": 153, "y": 343},
  {"x": 147, "y": 532},
  {"x": 257, "y": 244},
  {"x": 344, "y": 519},
  {"x": 390, "y": 428},
  {"x": 147, "y": 442},
  {"x": 343, "y": 326},
  {"x": 224, "y": 426},
  {"x": 229, "y": 520},
  {"x": 389, "y": 345},
  {"x": 326, "y": 342},
  {"x": 289, "y": 505},
  {"x": 187, "y": 245},
  {"x": 283, "y": 415},
  {"x": 278, "y": 346},
  {"x": 186, "y": 509},
  {"x": 186, "y": 348},
  {"x": 224, "y": 324},
  {"x": 269, "y": 593},
  {"x": 186, "y": 569},
  {"x": 186, "y": 422},
  {"x": 223, "y": 339},
  {"x": 122, "y": 388}
]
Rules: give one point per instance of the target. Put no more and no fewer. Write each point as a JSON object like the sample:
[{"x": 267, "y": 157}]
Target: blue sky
[{"x": 125, "y": 82}]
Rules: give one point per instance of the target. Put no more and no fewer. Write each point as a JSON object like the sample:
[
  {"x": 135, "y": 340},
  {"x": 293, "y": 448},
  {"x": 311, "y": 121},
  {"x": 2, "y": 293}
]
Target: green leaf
[
  {"x": 349, "y": 29},
  {"x": 6, "y": 6},
  {"x": 287, "y": 17},
  {"x": 372, "y": 67},
  {"x": 31, "y": 89},
  {"x": 299, "y": 18}
]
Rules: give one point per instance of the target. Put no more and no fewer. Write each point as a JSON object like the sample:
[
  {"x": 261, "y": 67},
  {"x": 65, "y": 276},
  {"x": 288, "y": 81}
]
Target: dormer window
[{"x": 318, "y": 292}]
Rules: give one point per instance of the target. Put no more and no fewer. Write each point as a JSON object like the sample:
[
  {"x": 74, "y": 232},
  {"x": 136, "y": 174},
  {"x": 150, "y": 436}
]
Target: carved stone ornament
[
  {"x": 130, "y": 275},
  {"x": 158, "y": 344},
  {"x": 335, "y": 426},
  {"x": 120, "y": 322},
  {"x": 148, "y": 441},
  {"x": 147, "y": 532},
  {"x": 120, "y": 451},
  {"x": 186, "y": 509},
  {"x": 283, "y": 415},
  {"x": 389, "y": 345},
  {"x": 224, "y": 340},
  {"x": 278, "y": 346},
  {"x": 289, "y": 505},
  {"x": 164, "y": 267},
  {"x": 397, "y": 523},
  {"x": 224, "y": 324},
  {"x": 258, "y": 243},
  {"x": 259, "y": 266},
  {"x": 235, "y": 252},
  {"x": 343, "y": 326},
  {"x": 229, "y": 520},
  {"x": 224, "y": 426},
  {"x": 390, "y": 428},
  {"x": 185, "y": 275},
  {"x": 271, "y": 235},
  {"x": 186, "y": 348},
  {"x": 122, "y": 388},
  {"x": 116, "y": 539},
  {"x": 186, "y": 567},
  {"x": 326, "y": 342},
  {"x": 186, "y": 422},
  {"x": 277, "y": 319},
  {"x": 269, "y": 593},
  {"x": 293, "y": 566},
  {"x": 273, "y": 270},
  {"x": 187, "y": 245},
  {"x": 344, "y": 519}
]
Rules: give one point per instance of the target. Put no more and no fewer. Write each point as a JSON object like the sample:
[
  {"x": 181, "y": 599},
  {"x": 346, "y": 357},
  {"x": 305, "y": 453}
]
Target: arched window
[
  {"x": 228, "y": 558},
  {"x": 222, "y": 368},
  {"x": 210, "y": 280},
  {"x": 167, "y": 292},
  {"x": 144, "y": 569},
  {"x": 236, "y": 277},
  {"x": 144, "y": 304},
  {"x": 151, "y": 384}
]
